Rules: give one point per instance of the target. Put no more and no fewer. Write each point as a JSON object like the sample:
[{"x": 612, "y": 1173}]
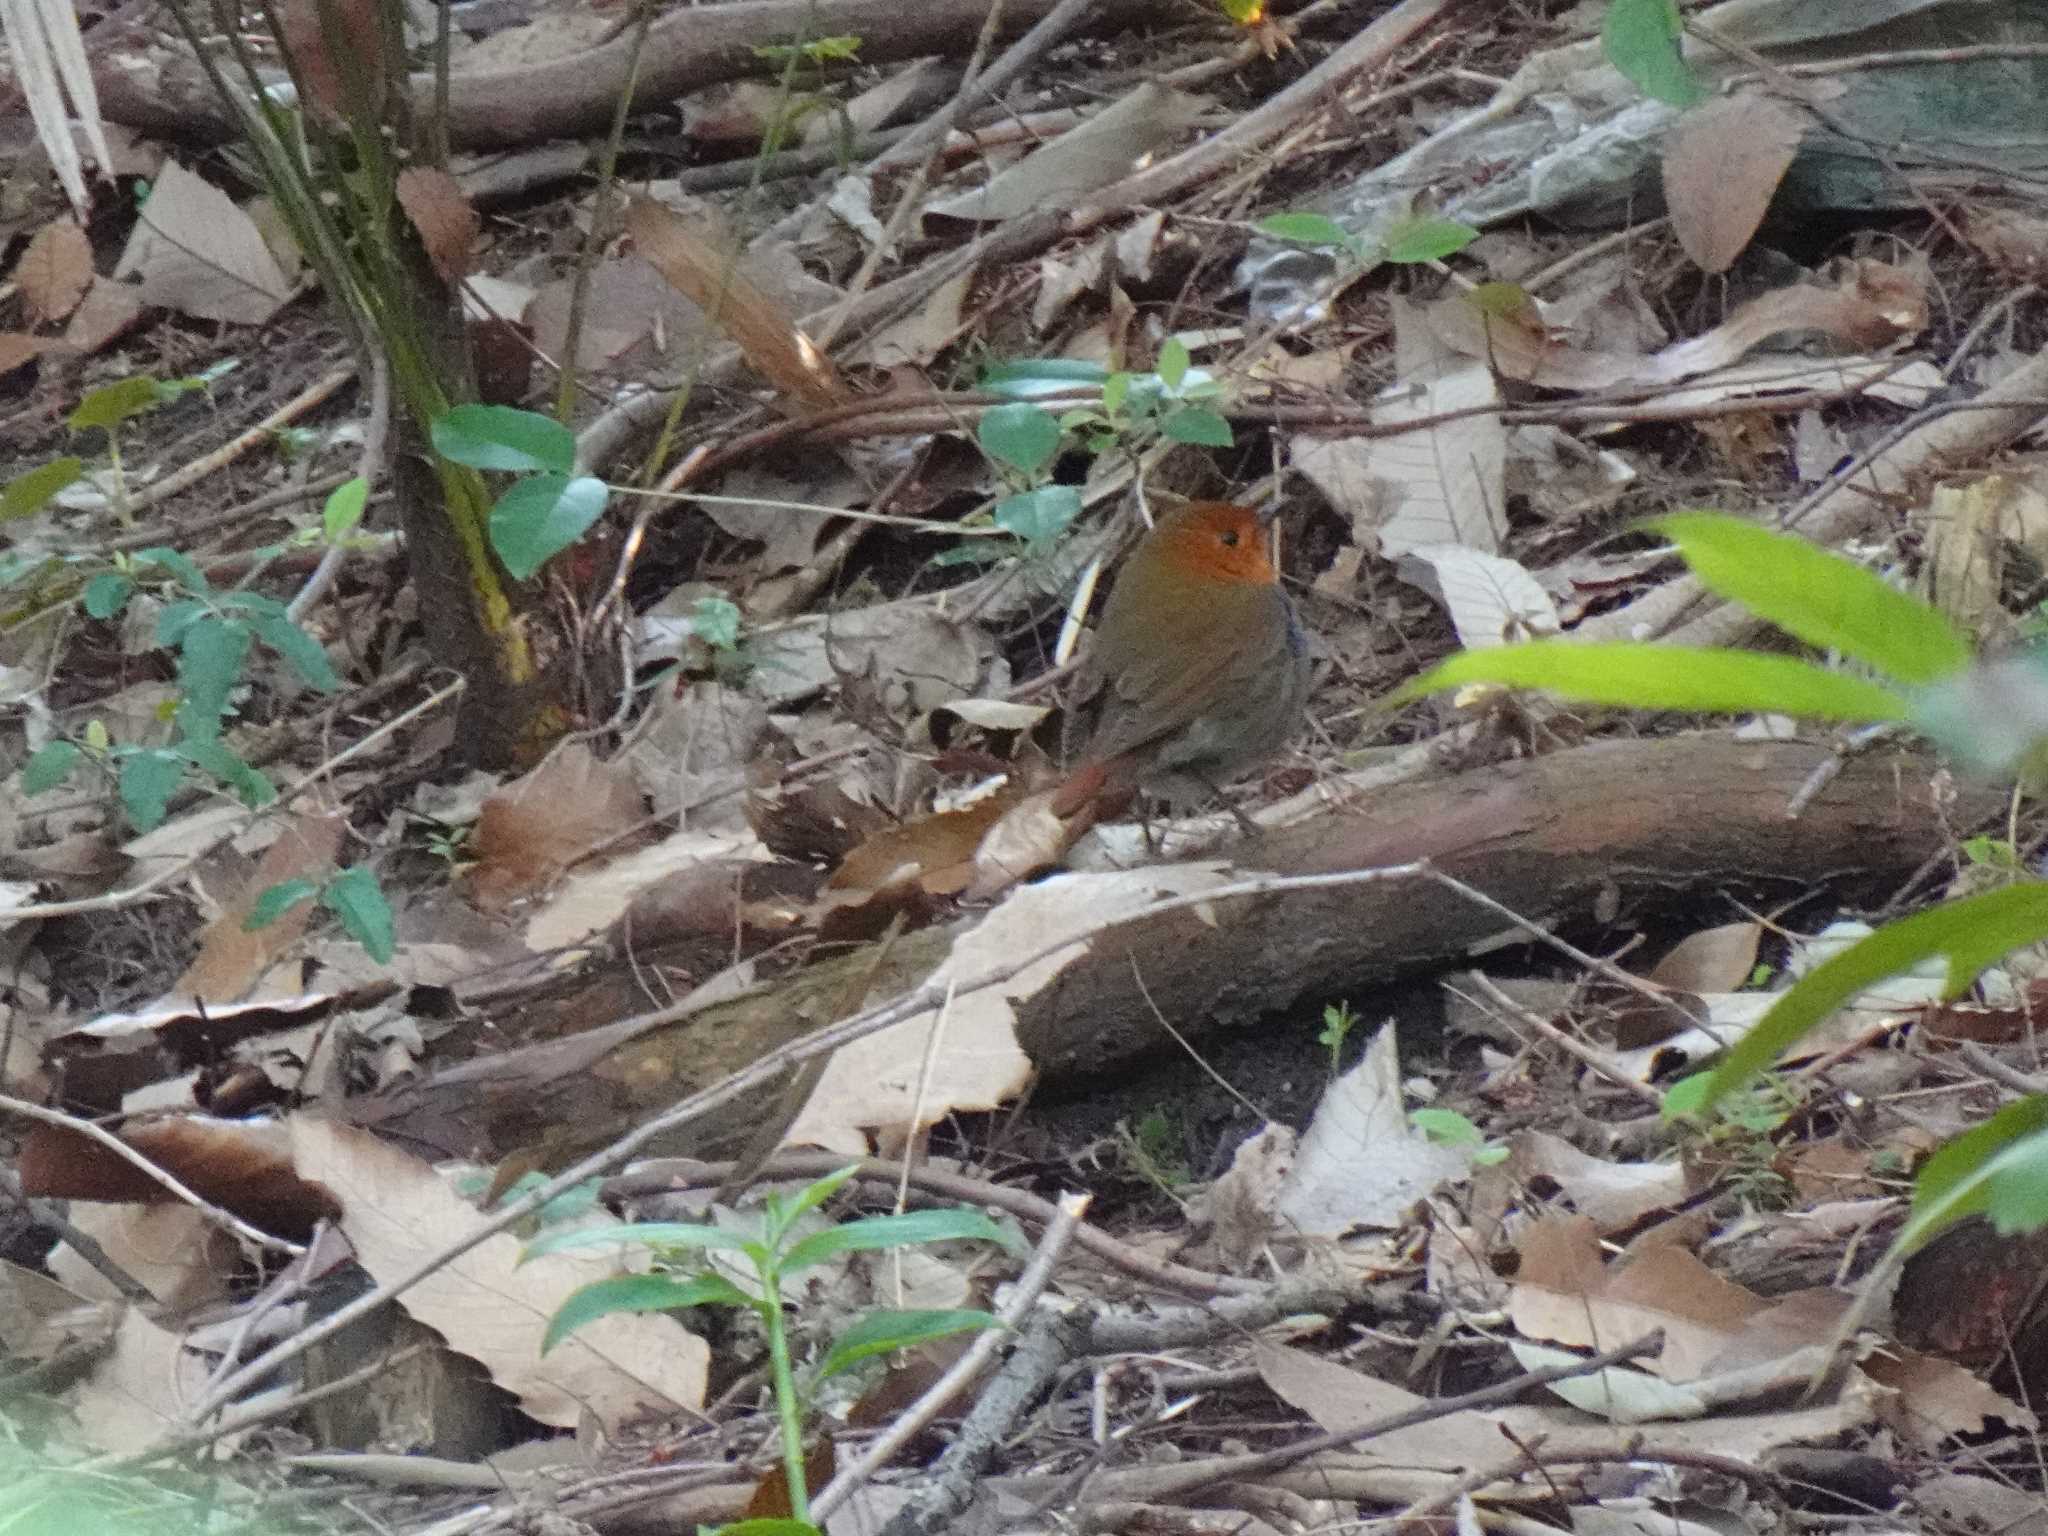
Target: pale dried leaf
[
  {"x": 108, "y": 312},
  {"x": 1360, "y": 1163},
  {"x": 1492, "y": 600},
  {"x": 1724, "y": 161},
  {"x": 590, "y": 901},
  {"x": 1339, "y": 1398},
  {"x": 197, "y": 253},
  {"x": 396, "y": 1210},
  {"x": 534, "y": 828},
  {"x": 1712, "y": 960},
  {"x": 181, "y": 1258},
  {"x": 138, "y": 1393}
]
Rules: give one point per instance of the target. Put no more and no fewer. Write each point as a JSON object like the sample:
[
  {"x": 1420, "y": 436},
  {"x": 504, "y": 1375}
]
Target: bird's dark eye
[{"x": 1230, "y": 539}]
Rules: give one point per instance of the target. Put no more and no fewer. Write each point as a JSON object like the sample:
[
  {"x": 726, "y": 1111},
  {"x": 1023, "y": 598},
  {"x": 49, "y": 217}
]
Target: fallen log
[
  {"x": 1634, "y": 828},
  {"x": 563, "y": 97}
]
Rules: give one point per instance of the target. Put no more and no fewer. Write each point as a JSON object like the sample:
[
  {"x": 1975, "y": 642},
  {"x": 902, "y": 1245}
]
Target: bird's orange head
[{"x": 1209, "y": 541}]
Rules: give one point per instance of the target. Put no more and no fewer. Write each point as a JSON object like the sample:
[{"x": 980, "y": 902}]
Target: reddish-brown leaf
[{"x": 1725, "y": 159}]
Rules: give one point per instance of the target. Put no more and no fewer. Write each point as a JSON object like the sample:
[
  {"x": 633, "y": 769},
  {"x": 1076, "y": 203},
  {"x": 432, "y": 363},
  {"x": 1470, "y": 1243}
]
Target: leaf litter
[{"x": 843, "y": 738}]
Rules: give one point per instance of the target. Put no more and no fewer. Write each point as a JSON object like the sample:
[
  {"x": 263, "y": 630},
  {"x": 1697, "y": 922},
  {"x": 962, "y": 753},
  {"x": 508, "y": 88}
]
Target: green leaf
[
  {"x": 300, "y": 650},
  {"x": 209, "y": 755},
  {"x": 1244, "y": 12},
  {"x": 49, "y": 765},
  {"x": 27, "y": 494},
  {"x": 211, "y": 654},
  {"x": 183, "y": 571},
  {"x": 358, "y": 900},
  {"x": 716, "y": 621},
  {"x": 1021, "y": 435},
  {"x": 1687, "y": 1096},
  {"x": 1193, "y": 424},
  {"x": 1665, "y": 677},
  {"x": 344, "y": 509},
  {"x": 1999, "y": 1169},
  {"x": 1173, "y": 362},
  {"x": 276, "y": 900},
  {"x": 505, "y": 437},
  {"x": 1640, "y": 39},
  {"x": 1827, "y": 601},
  {"x": 637, "y": 1293},
  {"x": 1970, "y": 934},
  {"x": 1030, "y": 377},
  {"x": 107, "y": 594},
  {"x": 664, "y": 1236},
  {"x": 112, "y": 404},
  {"x": 1036, "y": 516},
  {"x": 882, "y": 1333},
  {"x": 148, "y": 778},
  {"x": 1114, "y": 390},
  {"x": 935, "y": 1226},
  {"x": 541, "y": 516},
  {"x": 1304, "y": 229},
  {"x": 1446, "y": 1126},
  {"x": 177, "y": 616},
  {"x": 768, "y": 1525},
  {"x": 1425, "y": 239},
  {"x": 818, "y": 1191}
]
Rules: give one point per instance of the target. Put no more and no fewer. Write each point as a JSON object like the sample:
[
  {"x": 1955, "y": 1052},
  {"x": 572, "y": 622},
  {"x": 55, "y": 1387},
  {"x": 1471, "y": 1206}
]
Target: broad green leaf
[
  {"x": 505, "y": 437},
  {"x": 1193, "y": 424},
  {"x": 1640, "y": 38},
  {"x": 276, "y": 900},
  {"x": 1827, "y": 601},
  {"x": 301, "y": 650},
  {"x": 211, "y": 654},
  {"x": 1114, "y": 390},
  {"x": 1246, "y": 13},
  {"x": 1036, "y": 516},
  {"x": 1304, "y": 229},
  {"x": 936, "y": 1226},
  {"x": 1030, "y": 377},
  {"x": 27, "y": 494},
  {"x": 148, "y": 778},
  {"x": 358, "y": 900},
  {"x": 769, "y": 1525},
  {"x": 1666, "y": 677},
  {"x": 541, "y": 516},
  {"x": 183, "y": 571},
  {"x": 49, "y": 765},
  {"x": 716, "y": 621},
  {"x": 1970, "y": 933},
  {"x": 1998, "y": 1169},
  {"x": 1446, "y": 1126},
  {"x": 1021, "y": 435},
  {"x": 177, "y": 616},
  {"x": 208, "y": 754},
  {"x": 107, "y": 594},
  {"x": 637, "y": 1293},
  {"x": 112, "y": 404},
  {"x": 1173, "y": 362},
  {"x": 1425, "y": 239},
  {"x": 344, "y": 509},
  {"x": 882, "y": 1333},
  {"x": 666, "y": 1236}
]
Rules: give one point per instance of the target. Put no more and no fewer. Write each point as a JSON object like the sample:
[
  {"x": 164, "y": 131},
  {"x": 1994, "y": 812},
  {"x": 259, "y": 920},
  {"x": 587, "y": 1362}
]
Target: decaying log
[
  {"x": 1628, "y": 827},
  {"x": 563, "y": 97}
]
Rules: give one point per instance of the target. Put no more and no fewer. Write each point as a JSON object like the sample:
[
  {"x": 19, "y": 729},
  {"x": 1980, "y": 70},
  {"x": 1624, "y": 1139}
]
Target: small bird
[{"x": 1199, "y": 661}]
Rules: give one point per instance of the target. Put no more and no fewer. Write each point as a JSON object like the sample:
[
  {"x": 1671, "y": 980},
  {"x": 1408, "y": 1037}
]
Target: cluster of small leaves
[
  {"x": 353, "y": 895},
  {"x": 106, "y": 409},
  {"x": 1024, "y": 440},
  {"x": 779, "y": 1253},
  {"x": 1448, "y": 1128},
  {"x": 1338, "y": 1023},
  {"x": 212, "y": 633},
  {"x": 1925, "y": 675},
  {"x": 547, "y": 510},
  {"x": 1408, "y": 242}
]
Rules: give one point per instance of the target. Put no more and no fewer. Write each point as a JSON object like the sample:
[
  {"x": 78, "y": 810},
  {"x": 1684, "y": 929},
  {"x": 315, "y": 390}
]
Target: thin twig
[
  {"x": 369, "y": 469},
  {"x": 934, "y": 1400},
  {"x": 1578, "y": 1050}
]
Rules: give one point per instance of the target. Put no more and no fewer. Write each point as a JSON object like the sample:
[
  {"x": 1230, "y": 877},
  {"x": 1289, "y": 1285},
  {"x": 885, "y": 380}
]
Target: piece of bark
[
  {"x": 557, "y": 98},
  {"x": 1628, "y": 826}
]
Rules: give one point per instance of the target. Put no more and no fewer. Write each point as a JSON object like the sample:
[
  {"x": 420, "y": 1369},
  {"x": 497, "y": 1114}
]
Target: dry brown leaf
[
  {"x": 709, "y": 275},
  {"x": 531, "y": 830},
  {"x": 709, "y": 865},
  {"x": 1339, "y": 1398},
  {"x": 1712, "y": 960},
  {"x": 109, "y": 312},
  {"x": 1724, "y": 162},
  {"x": 441, "y": 214},
  {"x": 357, "y": 37},
  {"x": 18, "y": 348},
  {"x": 242, "y": 1166},
  {"x": 181, "y": 1258},
  {"x": 396, "y": 1210},
  {"x": 232, "y": 958},
  {"x": 55, "y": 271},
  {"x": 138, "y": 1393}
]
